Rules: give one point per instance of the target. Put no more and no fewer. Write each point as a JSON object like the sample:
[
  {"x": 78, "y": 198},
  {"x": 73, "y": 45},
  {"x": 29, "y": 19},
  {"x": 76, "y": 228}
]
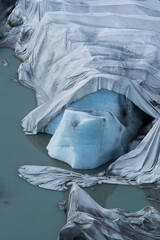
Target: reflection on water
[
  {"x": 153, "y": 196},
  {"x": 28, "y": 212}
]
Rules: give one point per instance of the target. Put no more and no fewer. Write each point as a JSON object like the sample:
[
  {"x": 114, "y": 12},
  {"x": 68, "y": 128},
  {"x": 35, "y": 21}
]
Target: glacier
[
  {"x": 86, "y": 142},
  {"x": 73, "y": 49}
]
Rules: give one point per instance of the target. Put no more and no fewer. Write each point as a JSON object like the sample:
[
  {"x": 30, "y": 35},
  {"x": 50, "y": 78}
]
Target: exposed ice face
[{"x": 87, "y": 140}]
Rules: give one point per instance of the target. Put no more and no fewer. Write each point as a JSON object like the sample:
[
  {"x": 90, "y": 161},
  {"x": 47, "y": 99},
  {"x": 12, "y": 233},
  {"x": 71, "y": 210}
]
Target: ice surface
[
  {"x": 82, "y": 146},
  {"x": 87, "y": 140}
]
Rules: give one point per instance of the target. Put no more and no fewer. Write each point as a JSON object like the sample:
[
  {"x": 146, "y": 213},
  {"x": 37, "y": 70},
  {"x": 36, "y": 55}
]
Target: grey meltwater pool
[{"x": 28, "y": 212}]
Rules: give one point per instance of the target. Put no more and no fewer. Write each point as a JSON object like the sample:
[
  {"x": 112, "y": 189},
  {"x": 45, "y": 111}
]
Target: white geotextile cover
[{"x": 73, "y": 48}]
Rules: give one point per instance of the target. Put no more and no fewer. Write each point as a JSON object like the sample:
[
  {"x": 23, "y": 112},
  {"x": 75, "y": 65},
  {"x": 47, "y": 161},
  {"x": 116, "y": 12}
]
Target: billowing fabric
[
  {"x": 73, "y": 48},
  {"x": 59, "y": 179},
  {"x": 143, "y": 163},
  {"x": 88, "y": 220}
]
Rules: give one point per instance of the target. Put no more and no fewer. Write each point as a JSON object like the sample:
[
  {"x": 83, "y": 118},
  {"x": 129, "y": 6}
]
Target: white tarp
[{"x": 88, "y": 220}]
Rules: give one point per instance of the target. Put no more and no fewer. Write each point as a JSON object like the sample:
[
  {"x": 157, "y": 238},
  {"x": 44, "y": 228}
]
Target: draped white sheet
[{"x": 88, "y": 220}]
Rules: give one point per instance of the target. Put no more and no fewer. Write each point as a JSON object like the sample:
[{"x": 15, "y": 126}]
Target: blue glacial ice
[{"x": 87, "y": 140}]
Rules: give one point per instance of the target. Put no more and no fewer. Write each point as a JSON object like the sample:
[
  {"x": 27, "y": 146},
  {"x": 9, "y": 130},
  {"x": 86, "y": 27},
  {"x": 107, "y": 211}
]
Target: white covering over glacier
[{"x": 74, "y": 48}]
